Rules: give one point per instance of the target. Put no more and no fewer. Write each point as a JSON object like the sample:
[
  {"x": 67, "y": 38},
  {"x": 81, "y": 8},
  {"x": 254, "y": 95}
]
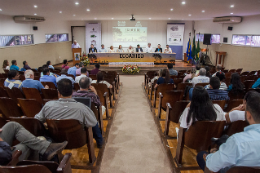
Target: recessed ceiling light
[
  {"x": 76, "y": 3},
  {"x": 169, "y": 18},
  {"x": 231, "y": 13},
  {"x": 74, "y": 15},
  {"x": 183, "y": 2},
  {"x": 189, "y": 14},
  {"x": 232, "y": 6},
  {"x": 35, "y": 14},
  {"x": 60, "y": 12},
  {"x": 112, "y": 18},
  {"x": 171, "y": 9},
  {"x": 150, "y": 18},
  {"x": 88, "y": 9},
  {"x": 203, "y": 11},
  {"x": 35, "y": 6},
  {"x": 1, "y": 10}
]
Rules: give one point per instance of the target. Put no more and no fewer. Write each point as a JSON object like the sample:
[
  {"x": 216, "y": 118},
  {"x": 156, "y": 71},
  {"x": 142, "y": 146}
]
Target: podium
[
  {"x": 220, "y": 55},
  {"x": 76, "y": 54}
]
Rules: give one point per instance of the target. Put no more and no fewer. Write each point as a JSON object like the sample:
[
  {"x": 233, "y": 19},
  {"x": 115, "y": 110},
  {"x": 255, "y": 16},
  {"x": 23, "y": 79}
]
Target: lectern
[
  {"x": 220, "y": 55},
  {"x": 76, "y": 54}
]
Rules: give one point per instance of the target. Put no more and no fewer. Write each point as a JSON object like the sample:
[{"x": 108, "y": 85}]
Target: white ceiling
[{"x": 122, "y": 9}]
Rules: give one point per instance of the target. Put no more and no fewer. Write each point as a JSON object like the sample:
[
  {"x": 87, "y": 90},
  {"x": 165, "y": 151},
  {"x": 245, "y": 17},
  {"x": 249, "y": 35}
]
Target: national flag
[
  {"x": 188, "y": 52},
  {"x": 194, "y": 50},
  {"x": 198, "y": 49}
]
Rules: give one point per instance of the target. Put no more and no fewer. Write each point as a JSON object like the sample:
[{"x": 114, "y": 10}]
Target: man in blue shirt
[
  {"x": 72, "y": 70},
  {"x": 13, "y": 80},
  {"x": 63, "y": 75},
  {"x": 241, "y": 149},
  {"x": 214, "y": 92},
  {"x": 47, "y": 78},
  {"x": 14, "y": 65},
  {"x": 29, "y": 81}
]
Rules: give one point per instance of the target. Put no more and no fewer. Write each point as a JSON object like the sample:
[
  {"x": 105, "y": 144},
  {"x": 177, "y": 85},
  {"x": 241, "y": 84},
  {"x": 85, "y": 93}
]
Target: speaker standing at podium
[{"x": 75, "y": 44}]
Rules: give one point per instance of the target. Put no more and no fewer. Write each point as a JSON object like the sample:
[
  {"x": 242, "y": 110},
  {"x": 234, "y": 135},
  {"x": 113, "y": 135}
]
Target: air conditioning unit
[
  {"x": 24, "y": 19},
  {"x": 227, "y": 19}
]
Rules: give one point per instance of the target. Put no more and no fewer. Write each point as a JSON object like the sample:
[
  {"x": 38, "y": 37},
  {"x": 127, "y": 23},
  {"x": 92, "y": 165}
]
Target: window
[
  {"x": 15, "y": 40},
  {"x": 215, "y": 38},
  {"x": 247, "y": 40},
  {"x": 50, "y": 38}
]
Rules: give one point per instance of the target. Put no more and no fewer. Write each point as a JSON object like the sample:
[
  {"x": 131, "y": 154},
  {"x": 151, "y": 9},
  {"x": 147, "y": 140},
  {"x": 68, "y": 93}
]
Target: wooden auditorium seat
[
  {"x": 251, "y": 73},
  {"x": 14, "y": 93},
  {"x": 93, "y": 76},
  {"x": 2, "y": 81},
  {"x": 3, "y": 92},
  {"x": 76, "y": 87},
  {"x": 111, "y": 81},
  {"x": 33, "y": 93},
  {"x": 234, "y": 96},
  {"x": 71, "y": 75},
  {"x": 235, "y": 127},
  {"x": 50, "y": 93},
  {"x": 221, "y": 103},
  {"x": 202, "y": 84},
  {"x": 248, "y": 84},
  {"x": 176, "y": 81},
  {"x": 239, "y": 70},
  {"x": 22, "y": 78},
  {"x": 30, "y": 107},
  {"x": 148, "y": 76},
  {"x": 241, "y": 169},
  {"x": 182, "y": 86},
  {"x": 72, "y": 131},
  {"x": 9, "y": 108},
  {"x": 151, "y": 89},
  {"x": 2, "y": 122},
  {"x": 50, "y": 84},
  {"x": 115, "y": 75},
  {"x": 244, "y": 73},
  {"x": 161, "y": 88},
  {"x": 15, "y": 158},
  {"x": 101, "y": 90},
  {"x": 232, "y": 71},
  {"x": 233, "y": 103}
]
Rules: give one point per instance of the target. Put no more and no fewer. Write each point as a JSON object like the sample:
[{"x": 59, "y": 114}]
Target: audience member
[
  {"x": 65, "y": 64},
  {"x": 214, "y": 92},
  {"x": 46, "y": 66},
  {"x": 72, "y": 70},
  {"x": 165, "y": 78},
  {"x": 190, "y": 76},
  {"x": 256, "y": 84},
  {"x": 68, "y": 108},
  {"x": 13, "y": 80},
  {"x": 218, "y": 69},
  {"x": 222, "y": 77},
  {"x": 63, "y": 75},
  {"x": 171, "y": 70},
  {"x": 202, "y": 78},
  {"x": 96, "y": 70},
  {"x": 208, "y": 71},
  {"x": 236, "y": 85},
  {"x": 84, "y": 73},
  {"x": 197, "y": 70},
  {"x": 100, "y": 79},
  {"x": 240, "y": 149},
  {"x": 156, "y": 77},
  {"x": 26, "y": 66},
  {"x": 49, "y": 65},
  {"x": 14, "y": 65},
  {"x": 6, "y": 65},
  {"x": 47, "y": 77},
  {"x": 78, "y": 71},
  {"x": 200, "y": 109},
  {"x": 29, "y": 81}
]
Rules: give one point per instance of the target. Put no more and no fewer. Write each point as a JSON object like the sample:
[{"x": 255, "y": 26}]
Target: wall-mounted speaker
[
  {"x": 35, "y": 28},
  {"x": 230, "y": 28},
  {"x": 207, "y": 39},
  {"x": 225, "y": 40}
]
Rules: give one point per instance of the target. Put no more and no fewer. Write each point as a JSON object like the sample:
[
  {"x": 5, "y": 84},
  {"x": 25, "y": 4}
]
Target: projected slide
[{"x": 127, "y": 36}]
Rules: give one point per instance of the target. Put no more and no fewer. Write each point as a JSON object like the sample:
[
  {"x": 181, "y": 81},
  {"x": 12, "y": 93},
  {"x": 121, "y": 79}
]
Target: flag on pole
[
  {"x": 194, "y": 50},
  {"x": 188, "y": 52},
  {"x": 198, "y": 49}
]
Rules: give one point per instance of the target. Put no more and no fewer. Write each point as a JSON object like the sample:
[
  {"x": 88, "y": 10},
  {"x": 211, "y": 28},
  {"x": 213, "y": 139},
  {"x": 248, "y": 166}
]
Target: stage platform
[{"x": 179, "y": 65}]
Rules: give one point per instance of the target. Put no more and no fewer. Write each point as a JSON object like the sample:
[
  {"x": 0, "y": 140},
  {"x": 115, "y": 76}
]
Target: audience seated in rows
[
  {"x": 78, "y": 71},
  {"x": 14, "y": 65},
  {"x": 47, "y": 77},
  {"x": 190, "y": 76},
  {"x": 171, "y": 70},
  {"x": 200, "y": 108},
  {"x": 215, "y": 93},
  {"x": 84, "y": 73},
  {"x": 72, "y": 70},
  {"x": 240, "y": 149},
  {"x": 68, "y": 108},
  {"x": 202, "y": 78},
  {"x": 26, "y": 66},
  {"x": 165, "y": 78},
  {"x": 236, "y": 85},
  {"x": 29, "y": 81},
  {"x": 46, "y": 66},
  {"x": 156, "y": 77},
  {"x": 6, "y": 65},
  {"x": 218, "y": 69},
  {"x": 95, "y": 70},
  {"x": 63, "y": 73},
  {"x": 100, "y": 79},
  {"x": 49, "y": 65},
  {"x": 13, "y": 80},
  {"x": 28, "y": 142},
  {"x": 65, "y": 64}
]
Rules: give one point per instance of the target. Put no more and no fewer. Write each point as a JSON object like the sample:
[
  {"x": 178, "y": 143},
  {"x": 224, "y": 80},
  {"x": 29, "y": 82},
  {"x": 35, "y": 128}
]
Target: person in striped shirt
[{"x": 214, "y": 92}]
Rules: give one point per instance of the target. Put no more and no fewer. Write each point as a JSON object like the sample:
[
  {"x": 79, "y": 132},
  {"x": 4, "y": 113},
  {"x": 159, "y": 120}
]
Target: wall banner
[{"x": 93, "y": 35}]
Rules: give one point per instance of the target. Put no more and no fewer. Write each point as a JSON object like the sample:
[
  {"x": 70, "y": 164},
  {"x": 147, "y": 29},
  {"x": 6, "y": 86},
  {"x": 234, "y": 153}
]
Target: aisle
[{"x": 134, "y": 144}]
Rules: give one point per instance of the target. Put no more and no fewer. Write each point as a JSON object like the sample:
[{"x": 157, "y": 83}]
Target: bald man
[
  {"x": 75, "y": 44},
  {"x": 29, "y": 81}
]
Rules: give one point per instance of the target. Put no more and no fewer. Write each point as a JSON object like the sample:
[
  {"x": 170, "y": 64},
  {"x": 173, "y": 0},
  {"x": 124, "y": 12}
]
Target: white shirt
[
  {"x": 237, "y": 115},
  {"x": 149, "y": 49},
  {"x": 183, "y": 118},
  {"x": 200, "y": 79},
  {"x": 168, "y": 51},
  {"x": 102, "y": 50},
  {"x": 130, "y": 50},
  {"x": 104, "y": 82},
  {"x": 120, "y": 50},
  {"x": 111, "y": 51},
  {"x": 81, "y": 76},
  {"x": 7, "y": 68},
  {"x": 75, "y": 46}
]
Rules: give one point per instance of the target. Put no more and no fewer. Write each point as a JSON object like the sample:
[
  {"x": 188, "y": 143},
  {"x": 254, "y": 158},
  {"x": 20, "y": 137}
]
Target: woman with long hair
[
  {"x": 100, "y": 79},
  {"x": 165, "y": 78},
  {"x": 65, "y": 64},
  {"x": 200, "y": 108},
  {"x": 190, "y": 76},
  {"x": 120, "y": 49},
  {"x": 235, "y": 84},
  {"x": 6, "y": 65}
]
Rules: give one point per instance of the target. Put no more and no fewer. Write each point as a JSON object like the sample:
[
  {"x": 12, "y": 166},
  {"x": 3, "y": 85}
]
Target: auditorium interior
[{"x": 140, "y": 114}]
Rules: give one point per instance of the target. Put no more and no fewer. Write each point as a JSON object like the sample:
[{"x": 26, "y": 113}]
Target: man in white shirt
[
  {"x": 102, "y": 49},
  {"x": 75, "y": 44},
  {"x": 149, "y": 48},
  {"x": 167, "y": 49},
  {"x": 83, "y": 74},
  {"x": 202, "y": 78}
]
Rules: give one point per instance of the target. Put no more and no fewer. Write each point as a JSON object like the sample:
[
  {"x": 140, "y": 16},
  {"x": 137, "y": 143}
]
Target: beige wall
[{"x": 38, "y": 54}]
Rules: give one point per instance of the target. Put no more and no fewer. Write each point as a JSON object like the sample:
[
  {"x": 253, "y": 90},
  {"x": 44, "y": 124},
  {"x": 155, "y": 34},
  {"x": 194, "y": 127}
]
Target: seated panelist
[
  {"x": 167, "y": 49},
  {"x": 102, "y": 49},
  {"x": 158, "y": 49},
  {"x": 130, "y": 49},
  {"x": 120, "y": 49},
  {"x": 111, "y": 50},
  {"x": 92, "y": 49},
  {"x": 139, "y": 49}
]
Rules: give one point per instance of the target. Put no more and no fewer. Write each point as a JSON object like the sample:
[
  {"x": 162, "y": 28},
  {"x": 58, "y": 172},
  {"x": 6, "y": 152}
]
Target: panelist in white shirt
[
  {"x": 120, "y": 49},
  {"x": 167, "y": 49},
  {"x": 111, "y": 50},
  {"x": 130, "y": 49},
  {"x": 102, "y": 49},
  {"x": 75, "y": 44},
  {"x": 149, "y": 48}
]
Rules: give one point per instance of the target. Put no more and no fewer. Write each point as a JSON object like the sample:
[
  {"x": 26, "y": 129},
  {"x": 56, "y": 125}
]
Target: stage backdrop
[
  {"x": 175, "y": 33},
  {"x": 93, "y": 35}
]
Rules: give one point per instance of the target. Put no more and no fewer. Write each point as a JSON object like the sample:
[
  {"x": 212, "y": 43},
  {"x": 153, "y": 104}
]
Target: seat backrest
[
  {"x": 50, "y": 93},
  {"x": 112, "y": 73},
  {"x": 150, "y": 74},
  {"x": 240, "y": 169},
  {"x": 93, "y": 76},
  {"x": 50, "y": 84},
  {"x": 248, "y": 84},
  {"x": 101, "y": 90},
  {"x": 30, "y": 107},
  {"x": 177, "y": 81},
  {"x": 233, "y": 103},
  {"x": 171, "y": 97},
  {"x": 27, "y": 169},
  {"x": 22, "y": 78},
  {"x": 238, "y": 95},
  {"x": 163, "y": 88},
  {"x": 84, "y": 100},
  {"x": 34, "y": 126},
  {"x": 182, "y": 86},
  {"x": 251, "y": 73},
  {"x": 232, "y": 70},
  {"x": 244, "y": 73},
  {"x": 201, "y": 84},
  {"x": 3, "y": 92},
  {"x": 239, "y": 70},
  {"x": 9, "y": 108},
  {"x": 14, "y": 93},
  {"x": 221, "y": 103},
  {"x": 37, "y": 77},
  {"x": 2, "y": 81},
  {"x": 76, "y": 86},
  {"x": 32, "y": 93},
  {"x": 235, "y": 127},
  {"x": 67, "y": 130},
  {"x": 71, "y": 75},
  {"x": 199, "y": 135},
  {"x": 176, "y": 110}
]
